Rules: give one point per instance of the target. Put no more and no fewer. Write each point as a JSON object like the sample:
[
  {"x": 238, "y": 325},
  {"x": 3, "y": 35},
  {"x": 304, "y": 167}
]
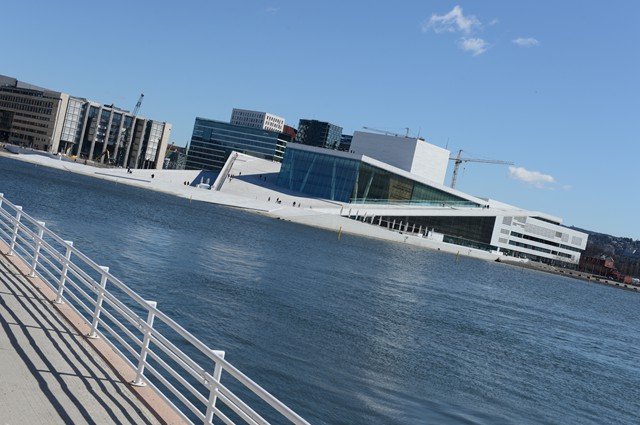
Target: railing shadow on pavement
[
  {"x": 181, "y": 369},
  {"x": 92, "y": 374}
]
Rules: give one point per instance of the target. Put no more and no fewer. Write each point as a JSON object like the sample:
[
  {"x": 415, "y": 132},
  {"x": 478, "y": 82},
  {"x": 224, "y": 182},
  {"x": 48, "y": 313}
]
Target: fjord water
[{"x": 357, "y": 331}]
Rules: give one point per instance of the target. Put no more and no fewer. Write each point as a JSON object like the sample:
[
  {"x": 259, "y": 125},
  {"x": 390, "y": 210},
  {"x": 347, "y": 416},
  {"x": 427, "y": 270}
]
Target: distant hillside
[{"x": 624, "y": 251}]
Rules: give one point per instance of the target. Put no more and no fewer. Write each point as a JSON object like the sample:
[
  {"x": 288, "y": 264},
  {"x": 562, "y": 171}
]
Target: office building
[
  {"x": 255, "y": 119},
  {"x": 345, "y": 142},
  {"x": 213, "y": 141},
  {"x": 56, "y": 122},
  {"x": 111, "y": 135},
  {"x": 318, "y": 133},
  {"x": 30, "y": 115}
]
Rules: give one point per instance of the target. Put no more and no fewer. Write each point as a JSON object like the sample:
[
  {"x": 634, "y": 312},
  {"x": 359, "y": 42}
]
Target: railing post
[
  {"x": 14, "y": 237},
  {"x": 145, "y": 346},
  {"x": 36, "y": 254},
  {"x": 96, "y": 314},
  {"x": 213, "y": 395},
  {"x": 63, "y": 275}
]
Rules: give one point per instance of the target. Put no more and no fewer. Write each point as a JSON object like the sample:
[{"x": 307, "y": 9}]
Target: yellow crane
[
  {"x": 459, "y": 160},
  {"x": 169, "y": 149},
  {"x": 103, "y": 154}
]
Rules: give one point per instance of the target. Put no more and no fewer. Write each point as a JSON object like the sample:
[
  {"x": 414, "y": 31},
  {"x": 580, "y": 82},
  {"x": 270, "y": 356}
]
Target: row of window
[
  {"x": 546, "y": 242},
  {"x": 27, "y": 130},
  {"x": 28, "y": 108},
  {"x": 27, "y": 101},
  {"x": 539, "y": 249},
  {"x": 31, "y": 123}
]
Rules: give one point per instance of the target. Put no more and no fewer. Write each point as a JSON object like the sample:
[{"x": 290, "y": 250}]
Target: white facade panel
[
  {"x": 392, "y": 150},
  {"x": 430, "y": 162},
  {"x": 407, "y": 153},
  {"x": 529, "y": 236}
]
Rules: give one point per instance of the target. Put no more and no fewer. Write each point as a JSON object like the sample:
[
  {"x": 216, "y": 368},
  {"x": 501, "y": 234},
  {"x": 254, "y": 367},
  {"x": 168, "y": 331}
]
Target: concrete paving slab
[{"x": 49, "y": 374}]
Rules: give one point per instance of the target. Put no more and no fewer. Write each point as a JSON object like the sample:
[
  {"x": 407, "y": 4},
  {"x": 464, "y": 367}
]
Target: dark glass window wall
[
  {"x": 213, "y": 141},
  {"x": 318, "y": 175},
  {"x": 350, "y": 180}
]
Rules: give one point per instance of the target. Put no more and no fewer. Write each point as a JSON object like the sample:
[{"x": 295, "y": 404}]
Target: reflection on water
[{"x": 357, "y": 331}]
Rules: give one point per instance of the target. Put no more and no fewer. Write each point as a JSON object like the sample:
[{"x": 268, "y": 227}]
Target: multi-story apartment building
[{"x": 256, "y": 119}]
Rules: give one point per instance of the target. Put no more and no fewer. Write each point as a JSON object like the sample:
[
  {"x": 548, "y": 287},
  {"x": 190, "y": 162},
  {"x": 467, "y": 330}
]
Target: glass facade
[
  {"x": 324, "y": 176},
  {"x": 91, "y": 127},
  {"x": 73, "y": 121},
  {"x": 153, "y": 141},
  {"x": 375, "y": 185},
  {"x": 350, "y": 180},
  {"x": 114, "y": 129},
  {"x": 213, "y": 141}
]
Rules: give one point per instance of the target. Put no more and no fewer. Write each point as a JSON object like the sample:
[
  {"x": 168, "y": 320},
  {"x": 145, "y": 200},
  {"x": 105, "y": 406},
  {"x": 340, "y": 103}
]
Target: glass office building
[
  {"x": 213, "y": 141},
  {"x": 346, "y": 177},
  {"x": 319, "y": 133}
]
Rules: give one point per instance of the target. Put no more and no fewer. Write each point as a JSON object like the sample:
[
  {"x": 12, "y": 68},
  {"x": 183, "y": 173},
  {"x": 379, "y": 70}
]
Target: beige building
[
  {"x": 55, "y": 122},
  {"x": 30, "y": 115}
]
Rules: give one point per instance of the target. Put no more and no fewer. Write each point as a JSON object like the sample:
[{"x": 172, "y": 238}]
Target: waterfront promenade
[
  {"x": 50, "y": 373},
  {"x": 252, "y": 189}
]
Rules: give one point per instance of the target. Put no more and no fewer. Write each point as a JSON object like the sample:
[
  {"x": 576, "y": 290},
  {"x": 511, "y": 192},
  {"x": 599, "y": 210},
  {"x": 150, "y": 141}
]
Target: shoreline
[
  {"x": 252, "y": 190},
  {"x": 255, "y": 191}
]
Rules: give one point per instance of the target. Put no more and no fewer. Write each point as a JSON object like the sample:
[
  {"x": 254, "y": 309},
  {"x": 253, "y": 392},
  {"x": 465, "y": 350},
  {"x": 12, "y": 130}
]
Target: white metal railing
[{"x": 143, "y": 336}]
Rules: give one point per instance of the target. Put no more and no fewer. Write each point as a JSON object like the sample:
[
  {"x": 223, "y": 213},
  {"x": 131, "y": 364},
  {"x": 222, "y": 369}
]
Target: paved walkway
[{"x": 49, "y": 374}]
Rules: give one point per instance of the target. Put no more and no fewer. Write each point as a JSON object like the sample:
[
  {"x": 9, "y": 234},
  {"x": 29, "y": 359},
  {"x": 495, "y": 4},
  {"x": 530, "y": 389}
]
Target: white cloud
[
  {"x": 451, "y": 22},
  {"x": 533, "y": 178},
  {"x": 477, "y": 46},
  {"x": 526, "y": 42}
]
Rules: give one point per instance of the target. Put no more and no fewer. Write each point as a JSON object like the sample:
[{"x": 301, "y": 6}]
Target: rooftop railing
[
  {"x": 181, "y": 369},
  {"x": 415, "y": 203}
]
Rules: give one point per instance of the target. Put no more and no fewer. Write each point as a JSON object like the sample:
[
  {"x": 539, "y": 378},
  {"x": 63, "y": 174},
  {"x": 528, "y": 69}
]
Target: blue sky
[{"x": 550, "y": 86}]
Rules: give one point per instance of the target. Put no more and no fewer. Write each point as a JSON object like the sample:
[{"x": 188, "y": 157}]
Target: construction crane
[
  {"x": 387, "y": 133},
  {"x": 137, "y": 108},
  {"x": 125, "y": 133},
  {"x": 459, "y": 160},
  {"x": 166, "y": 154}
]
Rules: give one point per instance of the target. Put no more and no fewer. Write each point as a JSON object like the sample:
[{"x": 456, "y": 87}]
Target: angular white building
[
  {"x": 256, "y": 119},
  {"x": 373, "y": 191},
  {"x": 406, "y": 153}
]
